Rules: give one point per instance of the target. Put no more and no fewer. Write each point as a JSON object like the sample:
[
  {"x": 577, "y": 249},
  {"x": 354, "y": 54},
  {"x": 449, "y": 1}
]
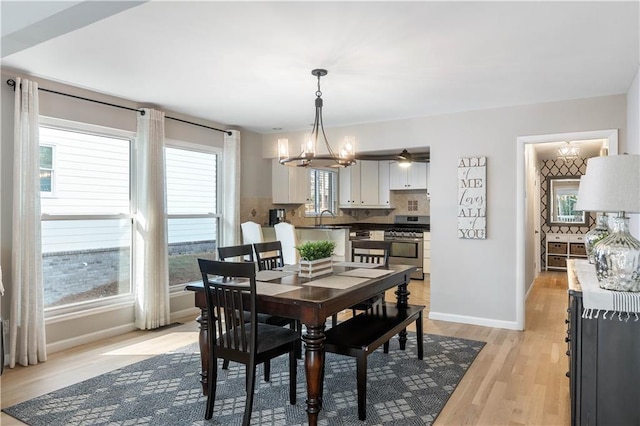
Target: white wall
[
  {"x": 474, "y": 281},
  {"x": 532, "y": 202},
  {"x": 633, "y": 115},
  {"x": 633, "y": 126}
]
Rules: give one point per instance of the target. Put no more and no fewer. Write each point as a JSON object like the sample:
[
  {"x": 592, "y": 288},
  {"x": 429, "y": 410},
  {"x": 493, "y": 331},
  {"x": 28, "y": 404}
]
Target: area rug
[{"x": 165, "y": 390}]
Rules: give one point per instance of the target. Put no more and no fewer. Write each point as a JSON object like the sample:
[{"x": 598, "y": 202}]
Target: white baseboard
[
  {"x": 189, "y": 312},
  {"x": 112, "y": 332},
  {"x": 486, "y": 322},
  {"x": 526, "y": 296},
  {"x": 89, "y": 338}
]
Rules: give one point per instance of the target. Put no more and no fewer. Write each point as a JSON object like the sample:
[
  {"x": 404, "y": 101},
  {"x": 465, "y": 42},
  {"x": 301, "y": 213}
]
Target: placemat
[
  {"x": 366, "y": 273},
  {"x": 272, "y": 275},
  {"x": 357, "y": 264},
  {"x": 289, "y": 268},
  {"x": 271, "y": 289},
  {"x": 336, "y": 281}
]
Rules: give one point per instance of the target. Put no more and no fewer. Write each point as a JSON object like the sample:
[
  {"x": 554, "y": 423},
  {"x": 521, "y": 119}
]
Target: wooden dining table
[{"x": 312, "y": 301}]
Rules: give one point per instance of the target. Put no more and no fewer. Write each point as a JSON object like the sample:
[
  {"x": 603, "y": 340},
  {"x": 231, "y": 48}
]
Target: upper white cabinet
[
  {"x": 384, "y": 195},
  {"x": 289, "y": 185},
  {"x": 405, "y": 178},
  {"x": 361, "y": 185}
]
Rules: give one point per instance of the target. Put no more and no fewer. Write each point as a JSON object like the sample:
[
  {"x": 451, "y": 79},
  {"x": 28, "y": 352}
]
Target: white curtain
[
  {"x": 152, "y": 308},
  {"x": 27, "y": 343},
  {"x": 231, "y": 189}
]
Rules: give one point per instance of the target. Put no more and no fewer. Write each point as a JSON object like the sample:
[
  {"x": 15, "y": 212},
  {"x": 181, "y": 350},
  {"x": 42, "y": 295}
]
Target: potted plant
[{"x": 315, "y": 258}]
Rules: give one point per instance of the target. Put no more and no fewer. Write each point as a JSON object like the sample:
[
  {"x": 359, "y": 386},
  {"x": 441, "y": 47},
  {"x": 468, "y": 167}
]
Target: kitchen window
[
  {"x": 323, "y": 194},
  {"x": 87, "y": 227},
  {"x": 192, "y": 209}
]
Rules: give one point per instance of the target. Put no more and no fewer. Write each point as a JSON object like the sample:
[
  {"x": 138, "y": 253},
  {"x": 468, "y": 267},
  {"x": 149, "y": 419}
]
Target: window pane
[
  {"x": 322, "y": 190},
  {"x": 190, "y": 239},
  {"x": 92, "y": 173},
  {"x": 85, "y": 260},
  {"x": 191, "y": 190},
  {"x": 46, "y": 157},
  {"x": 46, "y": 169},
  {"x": 191, "y": 181},
  {"x": 45, "y": 180}
]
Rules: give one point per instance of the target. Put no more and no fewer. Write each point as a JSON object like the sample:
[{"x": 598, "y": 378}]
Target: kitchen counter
[
  {"x": 356, "y": 226},
  {"x": 337, "y": 234},
  {"x": 341, "y": 226}
]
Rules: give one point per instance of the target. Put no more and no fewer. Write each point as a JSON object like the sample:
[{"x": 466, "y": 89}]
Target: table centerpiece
[{"x": 316, "y": 258}]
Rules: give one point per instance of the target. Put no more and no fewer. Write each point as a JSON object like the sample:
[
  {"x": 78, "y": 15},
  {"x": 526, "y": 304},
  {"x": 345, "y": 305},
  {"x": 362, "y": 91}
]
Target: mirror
[{"x": 563, "y": 194}]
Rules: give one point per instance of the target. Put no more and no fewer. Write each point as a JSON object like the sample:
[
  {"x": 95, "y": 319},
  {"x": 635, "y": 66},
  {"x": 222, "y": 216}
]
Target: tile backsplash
[{"x": 402, "y": 202}]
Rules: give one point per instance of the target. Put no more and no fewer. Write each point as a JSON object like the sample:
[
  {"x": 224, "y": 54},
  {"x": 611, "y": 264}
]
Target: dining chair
[
  {"x": 269, "y": 255},
  {"x": 251, "y": 232},
  {"x": 368, "y": 251},
  {"x": 286, "y": 234},
  {"x": 231, "y": 286},
  {"x": 245, "y": 252}
]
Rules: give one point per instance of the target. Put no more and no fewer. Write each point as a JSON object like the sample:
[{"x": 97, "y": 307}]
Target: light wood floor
[{"x": 517, "y": 379}]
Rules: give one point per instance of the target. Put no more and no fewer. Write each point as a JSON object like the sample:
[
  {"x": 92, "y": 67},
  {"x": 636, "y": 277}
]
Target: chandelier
[
  {"x": 309, "y": 154},
  {"x": 568, "y": 152}
]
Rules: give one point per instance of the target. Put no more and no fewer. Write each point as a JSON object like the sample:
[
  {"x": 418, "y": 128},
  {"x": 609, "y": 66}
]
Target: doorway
[{"x": 526, "y": 156}]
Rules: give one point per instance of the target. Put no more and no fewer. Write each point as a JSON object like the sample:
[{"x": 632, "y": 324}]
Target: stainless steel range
[{"x": 407, "y": 242}]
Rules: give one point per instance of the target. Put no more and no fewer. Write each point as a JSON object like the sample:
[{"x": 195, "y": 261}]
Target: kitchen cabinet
[
  {"x": 289, "y": 185},
  {"x": 603, "y": 362},
  {"x": 426, "y": 264},
  {"x": 561, "y": 247},
  {"x": 408, "y": 178},
  {"x": 359, "y": 186},
  {"x": 384, "y": 194}
]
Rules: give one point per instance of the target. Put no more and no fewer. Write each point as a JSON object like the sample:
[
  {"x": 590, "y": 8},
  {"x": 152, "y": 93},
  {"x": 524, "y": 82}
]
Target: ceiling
[{"x": 248, "y": 64}]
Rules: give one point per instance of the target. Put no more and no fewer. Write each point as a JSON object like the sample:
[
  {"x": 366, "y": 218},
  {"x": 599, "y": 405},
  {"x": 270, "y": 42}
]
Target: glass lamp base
[
  {"x": 600, "y": 232},
  {"x": 617, "y": 259}
]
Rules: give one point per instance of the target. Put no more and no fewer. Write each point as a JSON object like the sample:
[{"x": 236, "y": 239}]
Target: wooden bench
[{"x": 361, "y": 335}]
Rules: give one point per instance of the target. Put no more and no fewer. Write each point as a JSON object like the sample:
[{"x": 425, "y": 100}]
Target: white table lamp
[
  {"x": 612, "y": 184},
  {"x": 587, "y": 202}
]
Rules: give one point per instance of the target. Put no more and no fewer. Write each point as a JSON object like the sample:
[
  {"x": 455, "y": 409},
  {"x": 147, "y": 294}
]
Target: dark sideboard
[{"x": 604, "y": 364}]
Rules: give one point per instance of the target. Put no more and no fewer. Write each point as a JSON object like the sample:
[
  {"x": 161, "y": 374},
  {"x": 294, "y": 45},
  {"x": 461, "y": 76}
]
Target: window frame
[
  {"x": 220, "y": 199},
  {"x": 79, "y": 309},
  {"x": 317, "y": 211}
]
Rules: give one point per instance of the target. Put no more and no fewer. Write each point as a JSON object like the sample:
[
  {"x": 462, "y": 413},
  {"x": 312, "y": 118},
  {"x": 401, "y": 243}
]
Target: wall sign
[{"x": 472, "y": 198}]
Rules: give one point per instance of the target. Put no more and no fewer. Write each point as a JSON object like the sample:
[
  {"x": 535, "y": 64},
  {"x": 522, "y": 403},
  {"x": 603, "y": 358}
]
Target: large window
[
  {"x": 192, "y": 208},
  {"x": 322, "y": 192},
  {"x": 87, "y": 220}
]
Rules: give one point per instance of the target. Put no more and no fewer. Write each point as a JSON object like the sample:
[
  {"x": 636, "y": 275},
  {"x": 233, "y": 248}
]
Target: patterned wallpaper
[{"x": 556, "y": 167}]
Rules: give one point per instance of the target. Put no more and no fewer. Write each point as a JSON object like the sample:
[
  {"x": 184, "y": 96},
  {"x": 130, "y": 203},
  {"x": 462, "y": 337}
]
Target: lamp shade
[
  {"x": 611, "y": 184},
  {"x": 587, "y": 198}
]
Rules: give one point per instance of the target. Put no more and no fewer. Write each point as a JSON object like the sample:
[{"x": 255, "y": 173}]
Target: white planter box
[{"x": 314, "y": 268}]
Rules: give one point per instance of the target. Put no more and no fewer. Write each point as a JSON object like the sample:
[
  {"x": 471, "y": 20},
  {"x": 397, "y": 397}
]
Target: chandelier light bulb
[{"x": 283, "y": 148}]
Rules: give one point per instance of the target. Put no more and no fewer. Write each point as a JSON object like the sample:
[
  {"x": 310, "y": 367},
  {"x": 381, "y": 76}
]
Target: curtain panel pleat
[
  {"x": 152, "y": 308},
  {"x": 27, "y": 342},
  {"x": 231, "y": 189}
]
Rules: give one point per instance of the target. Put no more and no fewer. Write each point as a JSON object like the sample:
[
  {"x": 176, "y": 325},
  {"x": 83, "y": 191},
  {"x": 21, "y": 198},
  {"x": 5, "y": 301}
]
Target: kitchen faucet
[{"x": 319, "y": 217}]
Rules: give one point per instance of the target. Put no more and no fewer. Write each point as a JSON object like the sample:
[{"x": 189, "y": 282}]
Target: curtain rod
[{"x": 12, "y": 83}]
